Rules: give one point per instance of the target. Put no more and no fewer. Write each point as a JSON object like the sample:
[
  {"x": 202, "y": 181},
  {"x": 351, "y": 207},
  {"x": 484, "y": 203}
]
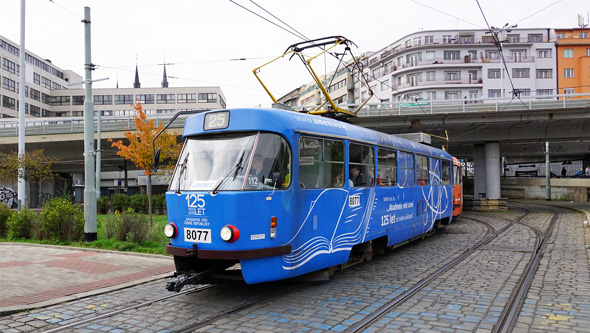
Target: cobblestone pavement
[{"x": 468, "y": 298}]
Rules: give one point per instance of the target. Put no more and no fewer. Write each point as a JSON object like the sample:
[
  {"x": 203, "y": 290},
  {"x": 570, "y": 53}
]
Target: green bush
[
  {"x": 128, "y": 226},
  {"x": 159, "y": 204},
  {"x": 21, "y": 224},
  {"x": 102, "y": 205},
  {"x": 5, "y": 214},
  {"x": 120, "y": 202},
  {"x": 139, "y": 203},
  {"x": 61, "y": 220}
]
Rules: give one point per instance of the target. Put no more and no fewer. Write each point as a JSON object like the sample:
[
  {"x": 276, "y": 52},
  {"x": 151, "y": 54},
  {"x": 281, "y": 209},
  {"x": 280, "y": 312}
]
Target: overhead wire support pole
[
  {"x": 89, "y": 176},
  {"x": 21, "y": 190}
]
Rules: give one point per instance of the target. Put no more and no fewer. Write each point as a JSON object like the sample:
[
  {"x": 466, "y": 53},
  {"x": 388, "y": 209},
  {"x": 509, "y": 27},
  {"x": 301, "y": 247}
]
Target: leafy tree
[
  {"x": 37, "y": 166},
  {"x": 140, "y": 150}
]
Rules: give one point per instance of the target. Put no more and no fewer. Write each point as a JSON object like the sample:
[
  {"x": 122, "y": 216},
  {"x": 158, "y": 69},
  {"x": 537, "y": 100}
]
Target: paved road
[{"x": 468, "y": 298}]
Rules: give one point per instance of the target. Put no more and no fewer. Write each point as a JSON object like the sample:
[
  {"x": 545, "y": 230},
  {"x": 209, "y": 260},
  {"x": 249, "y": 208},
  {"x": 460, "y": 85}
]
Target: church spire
[
  {"x": 136, "y": 84},
  {"x": 165, "y": 79}
]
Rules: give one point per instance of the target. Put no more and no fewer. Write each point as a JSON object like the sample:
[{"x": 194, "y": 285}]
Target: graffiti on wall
[
  {"x": 44, "y": 198},
  {"x": 8, "y": 197}
]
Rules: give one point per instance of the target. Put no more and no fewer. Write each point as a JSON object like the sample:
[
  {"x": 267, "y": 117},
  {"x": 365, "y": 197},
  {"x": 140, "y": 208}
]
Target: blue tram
[{"x": 283, "y": 194}]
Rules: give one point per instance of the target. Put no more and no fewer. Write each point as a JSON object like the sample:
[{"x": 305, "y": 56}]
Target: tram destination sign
[{"x": 216, "y": 120}]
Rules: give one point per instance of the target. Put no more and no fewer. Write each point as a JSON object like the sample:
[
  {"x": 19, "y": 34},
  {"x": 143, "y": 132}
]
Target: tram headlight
[
  {"x": 170, "y": 230},
  {"x": 229, "y": 233}
]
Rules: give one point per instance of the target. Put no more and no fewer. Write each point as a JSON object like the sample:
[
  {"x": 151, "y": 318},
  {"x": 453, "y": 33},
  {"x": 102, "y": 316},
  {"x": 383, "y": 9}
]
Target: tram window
[
  {"x": 386, "y": 167},
  {"x": 221, "y": 161},
  {"x": 435, "y": 171},
  {"x": 421, "y": 170},
  {"x": 321, "y": 163},
  {"x": 456, "y": 175},
  {"x": 406, "y": 171},
  {"x": 446, "y": 173},
  {"x": 362, "y": 165}
]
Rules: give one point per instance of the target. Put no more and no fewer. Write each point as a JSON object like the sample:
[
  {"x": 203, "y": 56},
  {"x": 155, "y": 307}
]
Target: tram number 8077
[{"x": 197, "y": 235}]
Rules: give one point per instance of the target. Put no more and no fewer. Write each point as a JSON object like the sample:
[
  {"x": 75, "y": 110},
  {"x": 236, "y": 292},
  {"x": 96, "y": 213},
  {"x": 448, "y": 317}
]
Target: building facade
[
  {"x": 53, "y": 92},
  {"x": 573, "y": 61},
  {"x": 462, "y": 64}
]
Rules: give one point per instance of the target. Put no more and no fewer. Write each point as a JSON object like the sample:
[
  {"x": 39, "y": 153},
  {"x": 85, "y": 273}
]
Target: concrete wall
[{"x": 574, "y": 189}]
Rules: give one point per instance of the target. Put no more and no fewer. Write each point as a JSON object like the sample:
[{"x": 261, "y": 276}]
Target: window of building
[
  {"x": 452, "y": 55},
  {"x": 79, "y": 100},
  {"x": 166, "y": 98},
  {"x": 8, "y": 102},
  {"x": 321, "y": 163},
  {"x": 569, "y": 92},
  {"x": 186, "y": 98},
  {"x": 60, "y": 100},
  {"x": 544, "y": 73},
  {"x": 452, "y": 94},
  {"x": 535, "y": 38},
  {"x": 37, "y": 78},
  {"x": 386, "y": 167},
  {"x": 35, "y": 111},
  {"x": 421, "y": 170},
  {"x": 414, "y": 58},
  {"x": 417, "y": 41},
  {"x": 430, "y": 55},
  {"x": 472, "y": 74},
  {"x": 35, "y": 94},
  {"x": 428, "y": 39},
  {"x": 584, "y": 34},
  {"x": 543, "y": 53},
  {"x": 103, "y": 99},
  {"x": 361, "y": 158},
  {"x": 513, "y": 38},
  {"x": 519, "y": 73},
  {"x": 406, "y": 174},
  {"x": 452, "y": 75},
  {"x": 45, "y": 82},
  {"x": 207, "y": 98},
  {"x": 568, "y": 53},
  {"x": 145, "y": 98},
  {"x": 8, "y": 84},
  {"x": 492, "y": 54},
  {"x": 466, "y": 39},
  {"x": 123, "y": 99},
  {"x": 45, "y": 98},
  {"x": 430, "y": 76},
  {"x": 560, "y": 35},
  {"x": 431, "y": 95},
  {"x": 494, "y": 93},
  {"x": 388, "y": 68},
  {"x": 587, "y": 52},
  {"x": 568, "y": 73},
  {"x": 8, "y": 65},
  {"x": 544, "y": 92},
  {"x": 494, "y": 73},
  {"x": 56, "y": 86},
  {"x": 447, "y": 39}
]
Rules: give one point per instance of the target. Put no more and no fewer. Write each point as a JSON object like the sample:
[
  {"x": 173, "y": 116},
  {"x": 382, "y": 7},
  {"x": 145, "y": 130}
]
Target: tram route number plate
[{"x": 195, "y": 235}]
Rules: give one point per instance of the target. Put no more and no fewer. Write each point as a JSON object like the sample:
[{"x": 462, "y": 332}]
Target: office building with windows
[
  {"x": 573, "y": 61},
  {"x": 53, "y": 92},
  {"x": 462, "y": 64}
]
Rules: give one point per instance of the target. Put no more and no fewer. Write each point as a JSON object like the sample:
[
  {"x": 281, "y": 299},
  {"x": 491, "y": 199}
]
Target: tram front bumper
[{"x": 227, "y": 255}]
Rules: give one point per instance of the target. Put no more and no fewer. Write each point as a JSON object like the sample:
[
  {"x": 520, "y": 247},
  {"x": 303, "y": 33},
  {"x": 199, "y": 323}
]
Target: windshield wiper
[
  {"x": 181, "y": 172},
  {"x": 236, "y": 169}
]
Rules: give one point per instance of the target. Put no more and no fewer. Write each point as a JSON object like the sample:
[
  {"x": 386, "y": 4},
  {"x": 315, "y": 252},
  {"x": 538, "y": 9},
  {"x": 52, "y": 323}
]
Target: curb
[{"x": 88, "y": 249}]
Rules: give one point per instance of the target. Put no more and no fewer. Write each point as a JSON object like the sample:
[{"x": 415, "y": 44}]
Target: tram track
[{"x": 490, "y": 235}]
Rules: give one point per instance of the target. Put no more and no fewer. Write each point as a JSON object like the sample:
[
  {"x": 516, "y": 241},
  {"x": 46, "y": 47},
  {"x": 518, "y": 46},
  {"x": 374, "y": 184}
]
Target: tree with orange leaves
[{"x": 140, "y": 150}]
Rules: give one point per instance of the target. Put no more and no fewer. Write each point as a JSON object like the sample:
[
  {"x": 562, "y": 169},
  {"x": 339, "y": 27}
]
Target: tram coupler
[{"x": 180, "y": 281}]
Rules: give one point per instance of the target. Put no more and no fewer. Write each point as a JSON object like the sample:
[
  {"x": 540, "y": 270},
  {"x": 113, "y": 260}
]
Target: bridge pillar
[
  {"x": 492, "y": 152},
  {"x": 479, "y": 176}
]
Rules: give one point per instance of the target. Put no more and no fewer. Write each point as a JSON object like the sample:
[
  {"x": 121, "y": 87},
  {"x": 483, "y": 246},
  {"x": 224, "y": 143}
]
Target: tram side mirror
[
  {"x": 277, "y": 179},
  {"x": 157, "y": 159}
]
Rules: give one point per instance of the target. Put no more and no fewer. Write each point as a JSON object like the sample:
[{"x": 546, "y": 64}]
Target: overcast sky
[{"x": 198, "y": 38}]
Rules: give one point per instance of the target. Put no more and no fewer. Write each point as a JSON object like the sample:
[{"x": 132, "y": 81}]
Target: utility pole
[
  {"x": 98, "y": 124},
  {"x": 89, "y": 179},
  {"x": 547, "y": 171},
  {"x": 21, "y": 190}
]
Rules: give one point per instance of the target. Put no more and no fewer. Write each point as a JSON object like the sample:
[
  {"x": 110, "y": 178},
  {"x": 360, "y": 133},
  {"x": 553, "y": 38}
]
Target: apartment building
[
  {"x": 462, "y": 64},
  {"x": 53, "y": 92},
  {"x": 573, "y": 61}
]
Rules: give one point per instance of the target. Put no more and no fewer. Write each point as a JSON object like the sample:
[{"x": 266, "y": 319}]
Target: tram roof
[{"x": 288, "y": 123}]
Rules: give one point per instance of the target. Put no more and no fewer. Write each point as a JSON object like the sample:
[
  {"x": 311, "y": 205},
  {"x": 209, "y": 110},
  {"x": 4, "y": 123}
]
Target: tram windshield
[{"x": 233, "y": 162}]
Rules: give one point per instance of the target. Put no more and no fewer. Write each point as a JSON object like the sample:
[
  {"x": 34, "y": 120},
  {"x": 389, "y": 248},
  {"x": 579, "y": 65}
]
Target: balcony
[{"x": 424, "y": 83}]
